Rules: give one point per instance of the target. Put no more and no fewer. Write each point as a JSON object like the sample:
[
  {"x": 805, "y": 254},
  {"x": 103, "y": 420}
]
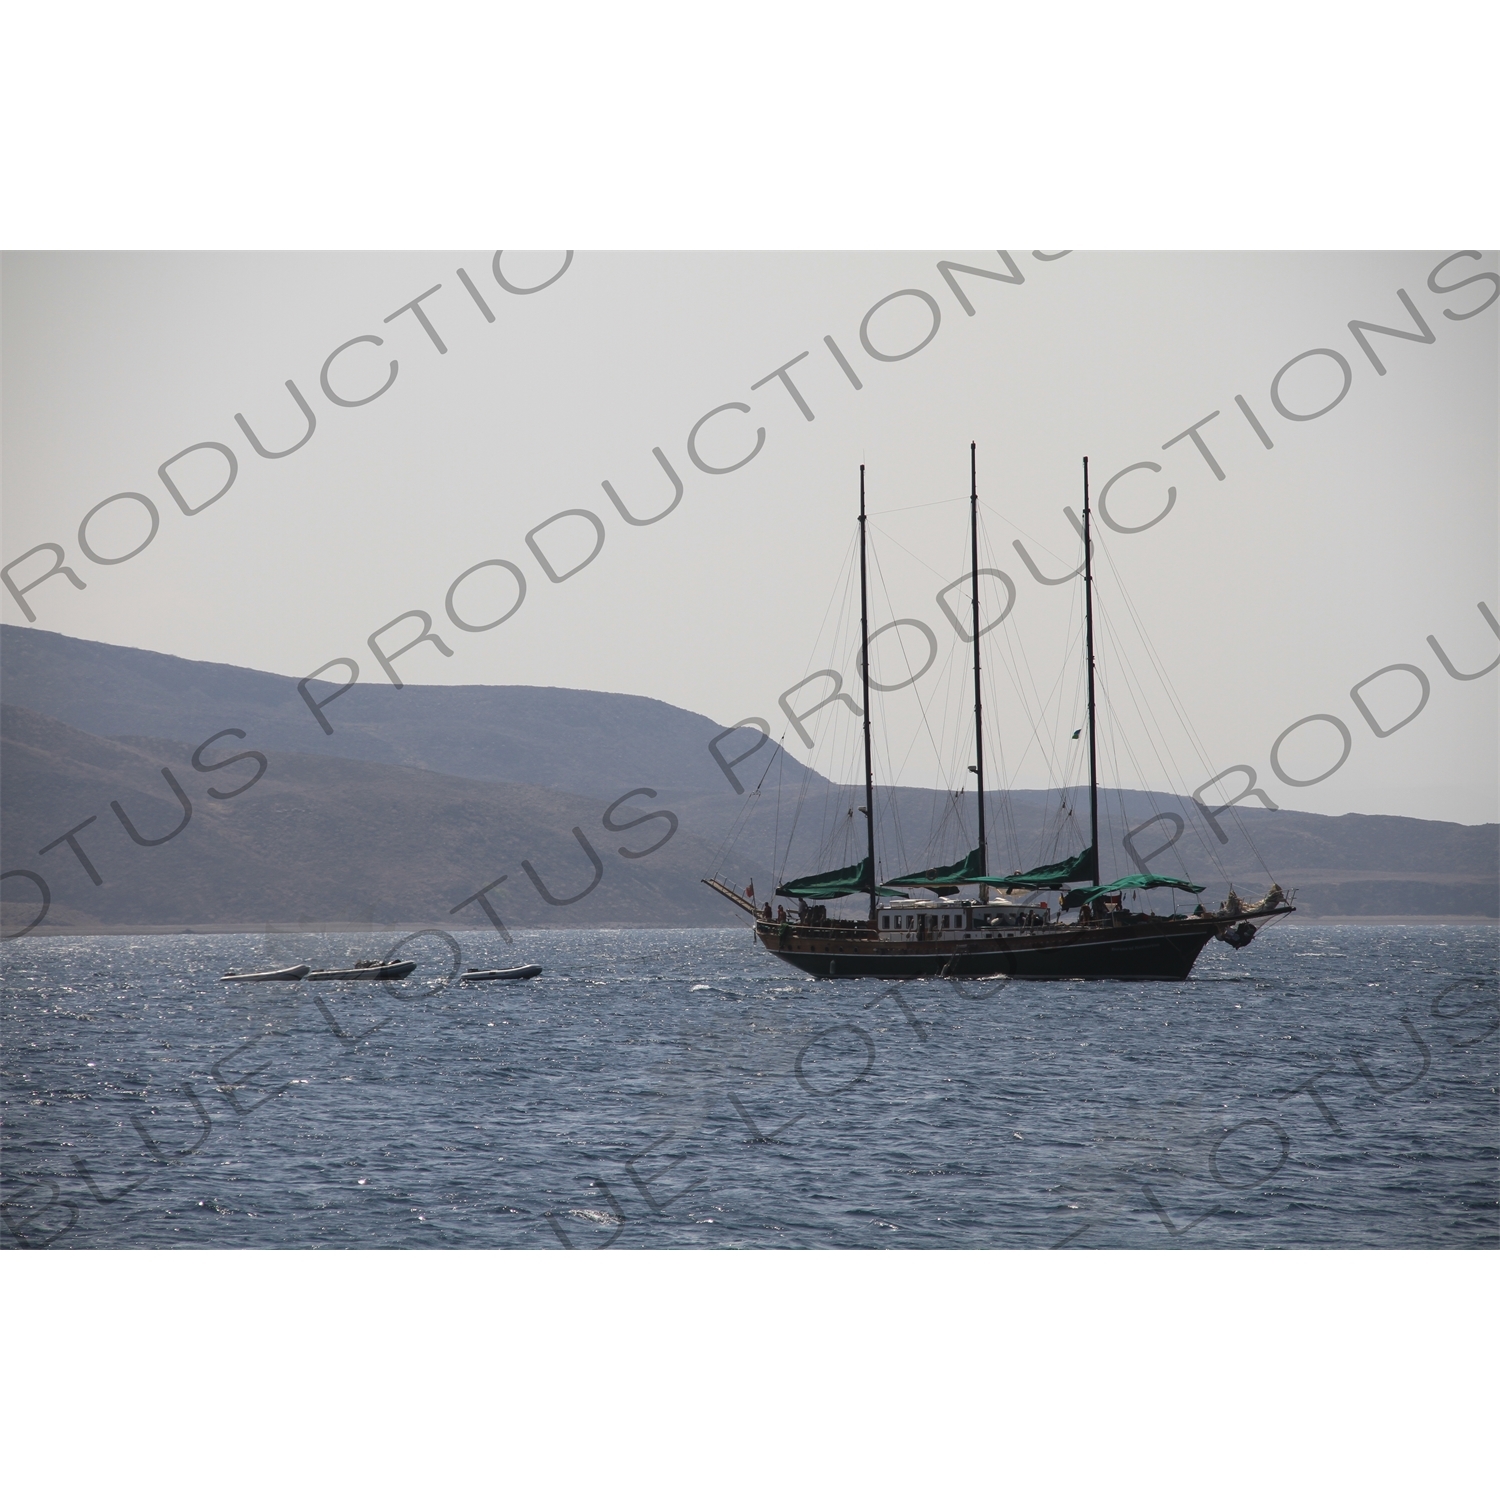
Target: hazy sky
[{"x": 1266, "y": 596}]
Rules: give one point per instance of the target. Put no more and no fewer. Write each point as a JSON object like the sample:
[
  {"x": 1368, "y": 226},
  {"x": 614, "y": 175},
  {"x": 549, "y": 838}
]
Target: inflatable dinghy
[{"x": 367, "y": 968}]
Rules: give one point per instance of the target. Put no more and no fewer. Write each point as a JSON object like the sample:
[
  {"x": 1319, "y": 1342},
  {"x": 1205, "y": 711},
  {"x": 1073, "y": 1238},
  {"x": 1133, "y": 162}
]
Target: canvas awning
[{"x": 1128, "y": 883}]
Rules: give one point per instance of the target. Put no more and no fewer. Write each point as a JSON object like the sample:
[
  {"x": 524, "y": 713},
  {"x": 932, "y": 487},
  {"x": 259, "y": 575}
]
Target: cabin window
[
  {"x": 945, "y": 921},
  {"x": 885, "y": 921}
]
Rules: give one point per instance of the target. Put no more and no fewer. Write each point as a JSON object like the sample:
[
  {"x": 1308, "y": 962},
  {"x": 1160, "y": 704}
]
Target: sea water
[{"x": 1326, "y": 1086}]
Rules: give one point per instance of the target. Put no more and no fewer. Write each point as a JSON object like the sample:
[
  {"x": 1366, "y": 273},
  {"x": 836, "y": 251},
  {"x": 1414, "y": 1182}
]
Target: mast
[
  {"x": 1088, "y": 615},
  {"x": 974, "y": 589},
  {"x": 864, "y": 657}
]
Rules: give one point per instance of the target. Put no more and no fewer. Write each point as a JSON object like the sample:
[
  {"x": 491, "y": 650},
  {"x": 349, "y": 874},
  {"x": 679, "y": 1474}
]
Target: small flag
[
  {"x": 750, "y": 891},
  {"x": 1076, "y": 733}
]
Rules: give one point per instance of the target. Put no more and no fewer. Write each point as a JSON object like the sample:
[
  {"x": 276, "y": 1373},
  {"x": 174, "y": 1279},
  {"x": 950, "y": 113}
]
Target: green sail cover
[
  {"x": 830, "y": 885},
  {"x": 1128, "y": 883},
  {"x": 1047, "y": 877},
  {"x": 852, "y": 879},
  {"x": 968, "y": 871}
]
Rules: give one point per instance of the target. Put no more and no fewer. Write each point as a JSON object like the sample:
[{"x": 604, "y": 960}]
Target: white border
[{"x": 327, "y": 125}]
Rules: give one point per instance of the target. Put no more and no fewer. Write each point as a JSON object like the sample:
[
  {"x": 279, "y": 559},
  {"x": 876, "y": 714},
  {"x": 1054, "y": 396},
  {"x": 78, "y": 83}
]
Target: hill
[
  {"x": 421, "y": 796},
  {"x": 316, "y": 841}
]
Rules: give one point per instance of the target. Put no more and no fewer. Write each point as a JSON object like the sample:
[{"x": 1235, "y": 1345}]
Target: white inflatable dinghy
[
  {"x": 526, "y": 971},
  {"x": 297, "y": 971},
  {"x": 367, "y": 968}
]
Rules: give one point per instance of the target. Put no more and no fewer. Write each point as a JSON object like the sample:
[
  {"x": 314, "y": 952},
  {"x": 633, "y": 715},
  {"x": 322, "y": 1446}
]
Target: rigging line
[
  {"x": 846, "y": 577},
  {"x": 1076, "y": 632},
  {"x": 995, "y": 747},
  {"x": 1149, "y": 722},
  {"x": 896, "y": 510},
  {"x": 1113, "y": 739},
  {"x": 1145, "y": 714},
  {"x": 890, "y": 791},
  {"x": 834, "y": 739},
  {"x": 1064, "y": 829},
  {"x": 896, "y": 542},
  {"x": 958, "y": 713},
  {"x": 1148, "y": 719},
  {"x": 1105, "y": 668},
  {"x": 906, "y": 660},
  {"x": 1116, "y": 736},
  {"x": 797, "y": 813},
  {"x": 776, "y": 827},
  {"x": 1056, "y": 557},
  {"x": 895, "y": 772},
  {"x": 995, "y": 739},
  {"x": 1035, "y": 717},
  {"x": 1006, "y": 788},
  {"x": 1153, "y": 654},
  {"x": 1182, "y": 715},
  {"x": 955, "y": 715},
  {"x": 778, "y": 760},
  {"x": 1059, "y": 821},
  {"x": 730, "y": 837},
  {"x": 1038, "y": 719},
  {"x": 1142, "y": 713},
  {"x": 1075, "y": 777},
  {"x": 742, "y": 816},
  {"x": 898, "y": 840},
  {"x": 808, "y": 771},
  {"x": 1162, "y": 678},
  {"x": 943, "y": 803},
  {"x": 1008, "y": 778}
]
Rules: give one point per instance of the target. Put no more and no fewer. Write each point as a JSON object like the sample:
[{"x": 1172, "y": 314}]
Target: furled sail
[
  {"x": 1128, "y": 883},
  {"x": 968, "y": 871},
  {"x": 830, "y": 885},
  {"x": 1083, "y": 866}
]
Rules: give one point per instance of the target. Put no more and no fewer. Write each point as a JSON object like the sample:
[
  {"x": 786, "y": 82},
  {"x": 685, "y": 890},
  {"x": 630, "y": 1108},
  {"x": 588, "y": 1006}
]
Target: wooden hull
[{"x": 1149, "y": 949}]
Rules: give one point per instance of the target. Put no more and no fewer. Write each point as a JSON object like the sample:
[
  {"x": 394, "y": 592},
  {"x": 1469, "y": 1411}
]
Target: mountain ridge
[{"x": 87, "y": 722}]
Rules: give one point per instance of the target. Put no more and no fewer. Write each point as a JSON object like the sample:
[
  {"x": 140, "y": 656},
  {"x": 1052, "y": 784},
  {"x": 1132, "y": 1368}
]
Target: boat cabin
[{"x": 914, "y": 920}]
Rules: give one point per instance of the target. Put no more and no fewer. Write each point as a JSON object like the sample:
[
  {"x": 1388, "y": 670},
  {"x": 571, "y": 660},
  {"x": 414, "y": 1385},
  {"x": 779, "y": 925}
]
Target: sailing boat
[{"x": 909, "y": 936}]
